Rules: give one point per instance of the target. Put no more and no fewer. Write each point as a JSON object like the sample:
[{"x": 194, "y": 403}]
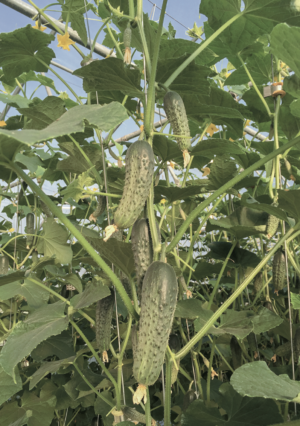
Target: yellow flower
[
  {"x": 142, "y": 128},
  {"x": 206, "y": 171},
  {"x": 36, "y": 27},
  {"x": 247, "y": 123},
  {"x": 127, "y": 56},
  {"x": 212, "y": 129},
  {"x": 231, "y": 140},
  {"x": 227, "y": 74},
  {"x": 11, "y": 230},
  {"x": 163, "y": 201},
  {"x": 172, "y": 164},
  {"x": 2, "y": 123},
  {"x": 94, "y": 189},
  {"x": 64, "y": 41}
]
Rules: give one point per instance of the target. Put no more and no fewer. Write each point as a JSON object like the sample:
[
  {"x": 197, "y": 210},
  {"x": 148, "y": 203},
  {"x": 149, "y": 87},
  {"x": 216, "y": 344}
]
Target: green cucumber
[
  {"x": 101, "y": 205},
  {"x": 258, "y": 282},
  {"x": 141, "y": 244},
  {"x": 104, "y": 311},
  {"x": 45, "y": 209},
  {"x": 127, "y": 43},
  {"x": 176, "y": 114},
  {"x": 236, "y": 353},
  {"x": 174, "y": 343},
  {"x": 269, "y": 306},
  {"x": 279, "y": 271},
  {"x": 29, "y": 229},
  {"x": 272, "y": 226},
  {"x": 159, "y": 297},
  {"x": 188, "y": 398},
  {"x": 4, "y": 265},
  {"x": 126, "y": 284},
  {"x": 252, "y": 342},
  {"x": 131, "y": 414},
  {"x": 297, "y": 345},
  {"x": 139, "y": 170},
  {"x": 35, "y": 257}
]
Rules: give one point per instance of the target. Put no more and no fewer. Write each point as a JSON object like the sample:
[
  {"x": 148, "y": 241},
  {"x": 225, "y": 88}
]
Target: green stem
[
  {"x": 255, "y": 87},
  {"x": 231, "y": 299},
  {"x": 131, "y": 9},
  {"x": 200, "y": 49},
  {"x": 148, "y": 409},
  {"x": 152, "y": 223},
  {"x": 211, "y": 299},
  {"x": 168, "y": 386},
  {"x": 139, "y": 19},
  {"x": 212, "y": 352},
  {"x": 149, "y": 116},
  {"x": 276, "y": 145},
  {"x": 114, "y": 41},
  {"x": 99, "y": 394},
  {"x": 195, "y": 213},
  {"x": 68, "y": 16},
  {"x": 77, "y": 234},
  {"x": 102, "y": 365}
]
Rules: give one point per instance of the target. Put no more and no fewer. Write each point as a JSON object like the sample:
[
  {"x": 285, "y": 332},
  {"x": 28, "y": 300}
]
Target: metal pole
[{"x": 27, "y": 10}]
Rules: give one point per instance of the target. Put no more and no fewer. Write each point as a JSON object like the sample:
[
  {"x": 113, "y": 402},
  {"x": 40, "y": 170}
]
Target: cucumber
[
  {"x": 104, "y": 311},
  {"x": 134, "y": 339},
  {"x": 45, "y": 209},
  {"x": 141, "y": 244},
  {"x": 138, "y": 179},
  {"x": 131, "y": 414},
  {"x": 159, "y": 297},
  {"x": 269, "y": 306},
  {"x": 188, "y": 398},
  {"x": 4, "y": 265},
  {"x": 127, "y": 42},
  {"x": 272, "y": 226},
  {"x": 297, "y": 345},
  {"x": 176, "y": 114},
  {"x": 252, "y": 342},
  {"x": 258, "y": 282},
  {"x": 35, "y": 257},
  {"x": 101, "y": 204},
  {"x": 29, "y": 229},
  {"x": 174, "y": 343},
  {"x": 279, "y": 271},
  {"x": 236, "y": 353},
  {"x": 126, "y": 284}
]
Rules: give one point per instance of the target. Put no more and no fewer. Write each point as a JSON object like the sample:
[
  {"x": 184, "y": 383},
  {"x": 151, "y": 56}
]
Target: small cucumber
[
  {"x": 272, "y": 226},
  {"x": 131, "y": 414},
  {"x": 174, "y": 343},
  {"x": 258, "y": 282},
  {"x": 101, "y": 204},
  {"x": 188, "y": 398},
  {"x": 29, "y": 229},
  {"x": 252, "y": 342},
  {"x": 45, "y": 209},
  {"x": 127, "y": 42},
  {"x": 297, "y": 345},
  {"x": 159, "y": 297},
  {"x": 279, "y": 271},
  {"x": 4, "y": 265},
  {"x": 35, "y": 257},
  {"x": 139, "y": 170},
  {"x": 104, "y": 311},
  {"x": 176, "y": 114},
  {"x": 236, "y": 353}
]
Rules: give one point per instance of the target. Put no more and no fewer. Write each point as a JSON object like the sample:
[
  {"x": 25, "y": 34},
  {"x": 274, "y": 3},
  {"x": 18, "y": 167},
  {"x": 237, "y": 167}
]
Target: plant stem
[
  {"x": 114, "y": 41},
  {"x": 168, "y": 386},
  {"x": 195, "y": 213},
  {"x": 148, "y": 409},
  {"x": 139, "y": 19},
  {"x": 131, "y": 9},
  {"x": 212, "y": 352},
  {"x": 77, "y": 234},
  {"x": 200, "y": 49},
  {"x": 231, "y": 299},
  {"x": 276, "y": 145}
]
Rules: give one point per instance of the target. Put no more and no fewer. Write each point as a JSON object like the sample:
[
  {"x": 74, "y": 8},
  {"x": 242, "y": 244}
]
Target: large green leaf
[
  {"x": 191, "y": 309},
  {"x": 8, "y": 387},
  {"x": 271, "y": 210},
  {"x": 13, "y": 415},
  {"x": 49, "y": 367},
  {"x": 43, "y": 113},
  {"x": 54, "y": 242},
  {"x": 41, "y": 324},
  {"x": 285, "y": 41},
  {"x": 211, "y": 147},
  {"x": 166, "y": 149},
  {"x": 256, "y": 105},
  {"x": 73, "y": 121},
  {"x": 256, "y": 380},
  {"x": 22, "y": 49},
  {"x": 259, "y": 66},
  {"x": 94, "y": 291},
  {"x": 174, "y": 193},
  {"x": 221, "y": 171},
  {"x": 292, "y": 85},
  {"x": 75, "y": 162},
  {"x": 239, "y": 256},
  {"x": 175, "y": 48},
  {"x": 290, "y": 202},
  {"x": 60, "y": 345},
  {"x": 35, "y": 295},
  {"x": 11, "y": 277},
  {"x": 110, "y": 75},
  {"x": 15, "y": 100},
  {"x": 75, "y": 10},
  {"x": 205, "y": 269},
  {"x": 295, "y": 108},
  {"x": 243, "y": 222},
  {"x": 33, "y": 164}
]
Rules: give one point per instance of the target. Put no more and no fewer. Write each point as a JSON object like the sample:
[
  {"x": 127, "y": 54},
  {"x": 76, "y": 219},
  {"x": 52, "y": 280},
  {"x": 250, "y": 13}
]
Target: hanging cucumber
[
  {"x": 4, "y": 265},
  {"x": 258, "y": 282},
  {"x": 252, "y": 341},
  {"x": 35, "y": 257},
  {"x": 45, "y": 209},
  {"x": 297, "y": 345},
  {"x": 188, "y": 398},
  {"x": 236, "y": 353},
  {"x": 131, "y": 414},
  {"x": 104, "y": 311},
  {"x": 29, "y": 229},
  {"x": 101, "y": 204},
  {"x": 272, "y": 226},
  {"x": 176, "y": 114},
  {"x": 159, "y": 297},
  {"x": 279, "y": 271},
  {"x": 127, "y": 42},
  {"x": 141, "y": 244},
  {"x": 139, "y": 170}
]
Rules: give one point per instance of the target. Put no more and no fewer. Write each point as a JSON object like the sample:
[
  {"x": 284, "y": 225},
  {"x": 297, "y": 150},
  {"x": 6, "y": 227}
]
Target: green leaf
[
  {"x": 254, "y": 103},
  {"x": 205, "y": 269},
  {"x": 77, "y": 187},
  {"x": 94, "y": 291},
  {"x": 256, "y": 380},
  {"x": 42, "y": 79},
  {"x": 8, "y": 387},
  {"x": 191, "y": 309},
  {"x": 166, "y": 148},
  {"x": 239, "y": 257},
  {"x": 290, "y": 202},
  {"x": 265, "y": 321},
  {"x": 73, "y": 280},
  {"x": 76, "y": 163},
  {"x": 110, "y": 75},
  {"x": 211, "y": 147},
  {"x": 175, "y": 48},
  {"x": 31, "y": 163},
  {"x": 285, "y": 41},
  {"x": 76, "y": 10},
  {"x": 60, "y": 345},
  {"x": 295, "y": 108},
  {"x": 54, "y": 242},
  {"x": 291, "y": 85},
  {"x": 73, "y": 121},
  {"x": 236, "y": 323},
  {"x": 243, "y": 222},
  {"x": 42, "y": 411},
  {"x": 260, "y": 68},
  {"x": 175, "y": 193},
  {"x": 15, "y": 100},
  {"x": 11, "y": 277},
  {"x": 13, "y": 415},
  {"x": 295, "y": 299},
  {"x": 41, "y": 324},
  {"x": 49, "y": 367},
  {"x": 102, "y": 408},
  {"x": 22, "y": 49},
  {"x": 272, "y": 210},
  {"x": 221, "y": 171},
  {"x": 43, "y": 113},
  {"x": 35, "y": 295}
]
